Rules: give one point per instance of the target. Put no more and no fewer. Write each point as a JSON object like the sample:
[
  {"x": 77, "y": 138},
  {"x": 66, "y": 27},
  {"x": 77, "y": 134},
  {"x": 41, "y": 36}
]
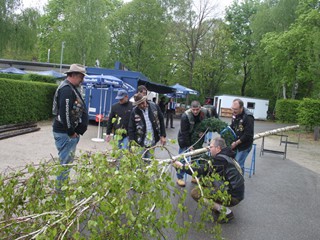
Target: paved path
[{"x": 282, "y": 199}]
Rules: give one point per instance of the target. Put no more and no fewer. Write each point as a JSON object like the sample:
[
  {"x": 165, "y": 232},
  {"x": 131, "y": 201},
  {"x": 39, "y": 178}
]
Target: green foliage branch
[
  {"x": 209, "y": 125},
  {"x": 99, "y": 201}
]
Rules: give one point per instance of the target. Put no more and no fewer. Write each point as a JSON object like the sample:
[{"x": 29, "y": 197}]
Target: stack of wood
[{"x": 11, "y": 130}]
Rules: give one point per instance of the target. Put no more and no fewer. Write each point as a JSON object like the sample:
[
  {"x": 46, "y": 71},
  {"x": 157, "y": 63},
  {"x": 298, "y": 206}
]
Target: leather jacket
[
  {"x": 243, "y": 126},
  {"x": 137, "y": 129},
  {"x": 69, "y": 110},
  {"x": 187, "y": 124},
  {"x": 226, "y": 166}
]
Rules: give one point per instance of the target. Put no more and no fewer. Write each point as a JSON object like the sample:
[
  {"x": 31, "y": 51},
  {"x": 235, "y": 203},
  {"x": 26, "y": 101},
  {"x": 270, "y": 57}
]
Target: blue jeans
[
  {"x": 123, "y": 143},
  {"x": 66, "y": 150},
  {"x": 180, "y": 172},
  {"x": 241, "y": 157},
  {"x": 208, "y": 137}
]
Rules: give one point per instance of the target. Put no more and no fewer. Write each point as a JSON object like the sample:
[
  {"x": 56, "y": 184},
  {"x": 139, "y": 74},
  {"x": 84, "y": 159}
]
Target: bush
[
  {"x": 11, "y": 76},
  {"x": 286, "y": 110},
  {"x": 39, "y": 78},
  {"x": 309, "y": 113},
  {"x": 23, "y": 101}
]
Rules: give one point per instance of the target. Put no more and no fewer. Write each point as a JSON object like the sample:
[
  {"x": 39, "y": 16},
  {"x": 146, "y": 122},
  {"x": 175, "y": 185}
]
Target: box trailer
[{"x": 259, "y": 107}]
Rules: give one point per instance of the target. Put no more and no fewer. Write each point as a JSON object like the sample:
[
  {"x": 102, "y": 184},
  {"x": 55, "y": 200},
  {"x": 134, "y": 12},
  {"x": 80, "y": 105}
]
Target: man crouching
[{"x": 222, "y": 162}]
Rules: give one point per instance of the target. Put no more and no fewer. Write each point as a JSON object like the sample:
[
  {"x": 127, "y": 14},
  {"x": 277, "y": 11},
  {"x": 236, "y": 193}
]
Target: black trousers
[{"x": 170, "y": 114}]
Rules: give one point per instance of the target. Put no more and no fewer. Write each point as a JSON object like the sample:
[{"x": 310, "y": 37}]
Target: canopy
[
  {"x": 182, "y": 91},
  {"x": 52, "y": 73},
  {"x": 107, "y": 80},
  {"x": 132, "y": 78},
  {"x": 12, "y": 70}
]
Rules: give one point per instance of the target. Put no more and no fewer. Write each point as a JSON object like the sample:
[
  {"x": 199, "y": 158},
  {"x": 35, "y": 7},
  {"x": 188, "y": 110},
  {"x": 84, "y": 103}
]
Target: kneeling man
[{"x": 222, "y": 162}]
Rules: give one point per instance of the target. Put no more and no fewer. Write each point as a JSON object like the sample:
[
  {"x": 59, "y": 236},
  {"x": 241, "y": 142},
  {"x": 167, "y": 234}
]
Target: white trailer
[{"x": 259, "y": 107}]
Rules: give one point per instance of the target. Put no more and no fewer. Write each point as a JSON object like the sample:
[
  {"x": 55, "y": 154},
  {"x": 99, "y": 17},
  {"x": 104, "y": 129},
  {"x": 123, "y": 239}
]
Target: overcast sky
[{"x": 41, "y": 3}]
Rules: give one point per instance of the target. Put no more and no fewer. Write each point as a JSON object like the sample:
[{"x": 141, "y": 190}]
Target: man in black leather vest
[
  {"x": 146, "y": 125},
  {"x": 222, "y": 162},
  {"x": 70, "y": 118},
  {"x": 243, "y": 126}
]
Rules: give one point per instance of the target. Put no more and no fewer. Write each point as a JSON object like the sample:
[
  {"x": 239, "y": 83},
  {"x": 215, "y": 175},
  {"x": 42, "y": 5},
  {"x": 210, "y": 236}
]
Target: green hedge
[
  {"x": 11, "y": 76},
  {"x": 23, "y": 101},
  {"x": 286, "y": 110},
  {"x": 39, "y": 78},
  {"x": 309, "y": 113}
]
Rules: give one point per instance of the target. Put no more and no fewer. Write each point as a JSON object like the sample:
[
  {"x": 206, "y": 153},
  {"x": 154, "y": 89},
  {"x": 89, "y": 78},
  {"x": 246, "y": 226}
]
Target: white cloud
[
  {"x": 34, "y": 3},
  {"x": 39, "y": 4}
]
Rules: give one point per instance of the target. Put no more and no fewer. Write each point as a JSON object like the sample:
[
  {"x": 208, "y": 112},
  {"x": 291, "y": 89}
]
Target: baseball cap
[{"x": 121, "y": 94}]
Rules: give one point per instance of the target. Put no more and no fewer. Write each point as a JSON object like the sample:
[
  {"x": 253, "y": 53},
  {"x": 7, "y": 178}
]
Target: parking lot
[{"x": 281, "y": 199}]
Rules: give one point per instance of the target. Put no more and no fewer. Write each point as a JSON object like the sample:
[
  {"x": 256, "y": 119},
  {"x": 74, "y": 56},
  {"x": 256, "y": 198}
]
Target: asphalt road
[{"x": 282, "y": 199}]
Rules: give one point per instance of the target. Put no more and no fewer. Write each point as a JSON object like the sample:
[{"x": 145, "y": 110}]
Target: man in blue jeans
[
  {"x": 189, "y": 121},
  {"x": 70, "y": 118},
  {"x": 119, "y": 118},
  {"x": 243, "y": 126}
]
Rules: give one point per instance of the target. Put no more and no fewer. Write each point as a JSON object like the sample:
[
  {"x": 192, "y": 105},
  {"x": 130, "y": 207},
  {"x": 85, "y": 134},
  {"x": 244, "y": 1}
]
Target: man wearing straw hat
[
  {"x": 146, "y": 124},
  {"x": 70, "y": 118}
]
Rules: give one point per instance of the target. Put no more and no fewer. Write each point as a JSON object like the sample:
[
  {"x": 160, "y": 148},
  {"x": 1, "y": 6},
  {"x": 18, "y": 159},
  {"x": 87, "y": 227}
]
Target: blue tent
[
  {"x": 182, "y": 91},
  {"x": 12, "y": 70},
  {"x": 52, "y": 73},
  {"x": 100, "y": 92},
  {"x": 133, "y": 78}
]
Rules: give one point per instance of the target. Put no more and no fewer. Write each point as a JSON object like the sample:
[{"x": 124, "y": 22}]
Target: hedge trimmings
[{"x": 211, "y": 125}]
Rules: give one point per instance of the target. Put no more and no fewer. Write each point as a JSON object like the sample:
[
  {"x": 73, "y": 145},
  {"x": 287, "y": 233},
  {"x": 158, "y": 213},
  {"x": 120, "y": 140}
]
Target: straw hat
[
  {"x": 139, "y": 98},
  {"x": 76, "y": 68}
]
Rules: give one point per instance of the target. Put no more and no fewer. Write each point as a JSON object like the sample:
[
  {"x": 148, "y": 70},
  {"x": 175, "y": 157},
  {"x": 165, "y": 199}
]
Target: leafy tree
[
  {"x": 138, "y": 33},
  {"x": 238, "y": 17},
  {"x": 190, "y": 28},
  {"x": 212, "y": 68},
  {"x": 18, "y": 30},
  {"x": 7, "y": 8},
  {"x": 294, "y": 54},
  {"x": 80, "y": 25},
  {"x": 23, "y": 43},
  {"x": 271, "y": 16}
]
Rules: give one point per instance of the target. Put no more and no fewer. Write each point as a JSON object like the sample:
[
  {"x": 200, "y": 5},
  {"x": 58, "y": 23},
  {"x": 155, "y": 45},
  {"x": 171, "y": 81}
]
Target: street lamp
[{"x": 62, "y": 47}]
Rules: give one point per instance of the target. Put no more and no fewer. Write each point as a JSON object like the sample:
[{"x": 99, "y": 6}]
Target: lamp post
[
  {"x": 48, "y": 55},
  {"x": 62, "y": 47}
]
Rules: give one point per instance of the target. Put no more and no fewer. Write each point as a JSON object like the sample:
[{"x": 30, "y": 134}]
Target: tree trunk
[{"x": 284, "y": 91}]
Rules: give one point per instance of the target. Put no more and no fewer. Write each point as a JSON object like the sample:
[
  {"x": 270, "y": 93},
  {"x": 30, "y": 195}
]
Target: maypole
[{"x": 206, "y": 149}]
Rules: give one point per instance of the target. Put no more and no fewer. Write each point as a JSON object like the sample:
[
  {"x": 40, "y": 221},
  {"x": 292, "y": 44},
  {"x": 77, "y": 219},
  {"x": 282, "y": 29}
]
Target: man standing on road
[
  {"x": 171, "y": 110},
  {"x": 189, "y": 120},
  {"x": 162, "y": 105},
  {"x": 243, "y": 126},
  {"x": 70, "y": 118},
  {"x": 119, "y": 118},
  {"x": 146, "y": 125}
]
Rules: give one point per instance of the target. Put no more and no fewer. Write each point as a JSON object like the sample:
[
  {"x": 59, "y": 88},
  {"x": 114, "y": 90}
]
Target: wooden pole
[
  {"x": 275, "y": 131},
  {"x": 204, "y": 150}
]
